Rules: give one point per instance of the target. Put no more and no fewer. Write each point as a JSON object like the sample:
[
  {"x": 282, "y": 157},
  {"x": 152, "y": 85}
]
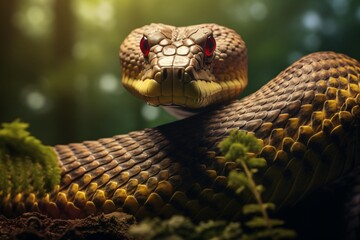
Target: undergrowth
[
  {"x": 26, "y": 165},
  {"x": 242, "y": 149}
]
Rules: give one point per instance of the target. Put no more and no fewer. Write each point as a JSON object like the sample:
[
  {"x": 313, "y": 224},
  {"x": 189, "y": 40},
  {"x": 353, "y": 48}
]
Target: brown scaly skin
[{"x": 307, "y": 119}]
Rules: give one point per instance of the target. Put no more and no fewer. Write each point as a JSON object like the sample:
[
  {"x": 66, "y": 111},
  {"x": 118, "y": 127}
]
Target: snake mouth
[{"x": 190, "y": 94}]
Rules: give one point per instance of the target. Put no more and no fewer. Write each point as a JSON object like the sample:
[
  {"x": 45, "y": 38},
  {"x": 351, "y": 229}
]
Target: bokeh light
[
  {"x": 312, "y": 20},
  {"x": 150, "y": 113},
  {"x": 60, "y": 68},
  {"x": 35, "y": 100},
  {"x": 108, "y": 82},
  {"x": 258, "y": 10}
]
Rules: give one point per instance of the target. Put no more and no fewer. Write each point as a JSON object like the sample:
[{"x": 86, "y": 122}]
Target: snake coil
[{"x": 307, "y": 119}]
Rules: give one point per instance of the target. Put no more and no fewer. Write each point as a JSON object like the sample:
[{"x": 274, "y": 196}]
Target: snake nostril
[
  {"x": 180, "y": 74},
  {"x": 164, "y": 74}
]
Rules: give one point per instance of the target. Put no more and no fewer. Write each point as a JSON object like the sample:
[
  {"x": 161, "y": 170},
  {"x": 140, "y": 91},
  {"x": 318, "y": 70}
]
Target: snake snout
[
  {"x": 174, "y": 75},
  {"x": 172, "y": 81}
]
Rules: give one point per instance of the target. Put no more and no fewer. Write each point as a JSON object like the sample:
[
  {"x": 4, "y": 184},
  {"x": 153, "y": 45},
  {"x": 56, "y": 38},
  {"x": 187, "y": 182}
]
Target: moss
[{"x": 26, "y": 165}]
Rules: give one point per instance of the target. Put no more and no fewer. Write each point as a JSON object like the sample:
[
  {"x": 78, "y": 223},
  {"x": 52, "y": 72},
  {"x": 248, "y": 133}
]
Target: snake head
[{"x": 190, "y": 67}]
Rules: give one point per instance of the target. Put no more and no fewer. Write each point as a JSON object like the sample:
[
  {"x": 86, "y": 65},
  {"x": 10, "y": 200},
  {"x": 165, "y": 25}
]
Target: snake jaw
[
  {"x": 191, "y": 67},
  {"x": 192, "y": 94}
]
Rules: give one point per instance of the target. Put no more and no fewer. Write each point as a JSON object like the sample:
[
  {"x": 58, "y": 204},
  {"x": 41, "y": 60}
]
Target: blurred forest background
[{"x": 59, "y": 67}]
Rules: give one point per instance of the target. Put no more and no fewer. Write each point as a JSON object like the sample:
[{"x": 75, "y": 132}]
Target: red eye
[
  {"x": 210, "y": 46},
  {"x": 144, "y": 46}
]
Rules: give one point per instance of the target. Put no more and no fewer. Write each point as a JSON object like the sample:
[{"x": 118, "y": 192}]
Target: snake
[{"x": 306, "y": 120}]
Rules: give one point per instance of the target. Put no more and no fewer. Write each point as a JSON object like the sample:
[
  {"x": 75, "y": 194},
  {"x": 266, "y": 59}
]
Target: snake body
[{"x": 307, "y": 119}]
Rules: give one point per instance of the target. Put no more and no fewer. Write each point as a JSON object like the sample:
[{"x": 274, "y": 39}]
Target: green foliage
[
  {"x": 258, "y": 222},
  {"x": 257, "y": 162},
  {"x": 256, "y": 208},
  {"x": 238, "y": 147},
  {"x": 241, "y": 148},
  {"x": 175, "y": 228},
  {"x": 238, "y": 144},
  {"x": 276, "y": 233},
  {"x": 181, "y": 228},
  {"x": 25, "y": 164}
]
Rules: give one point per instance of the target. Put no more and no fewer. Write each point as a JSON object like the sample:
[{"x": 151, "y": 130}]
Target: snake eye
[
  {"x": 144, "y": 46},
  {"x": 210, "y": 46}
]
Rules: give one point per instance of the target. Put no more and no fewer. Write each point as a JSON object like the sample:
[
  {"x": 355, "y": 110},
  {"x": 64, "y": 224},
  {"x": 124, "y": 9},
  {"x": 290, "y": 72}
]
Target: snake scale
[{"x": 307, "y": 119}]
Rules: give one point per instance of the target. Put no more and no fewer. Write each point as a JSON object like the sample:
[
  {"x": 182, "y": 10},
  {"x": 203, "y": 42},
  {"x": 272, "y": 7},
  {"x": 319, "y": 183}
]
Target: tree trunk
[
  {"x": 65, "y": 101},
  {"x": 7, "y": 31}
]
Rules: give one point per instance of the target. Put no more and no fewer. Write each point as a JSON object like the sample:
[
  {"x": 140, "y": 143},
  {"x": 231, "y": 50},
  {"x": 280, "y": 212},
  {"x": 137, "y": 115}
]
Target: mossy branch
[{"x": 26, "y": 165}]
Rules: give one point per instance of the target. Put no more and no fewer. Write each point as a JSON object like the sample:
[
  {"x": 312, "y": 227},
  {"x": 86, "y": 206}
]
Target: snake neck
[{"x": 181, "y": 112}]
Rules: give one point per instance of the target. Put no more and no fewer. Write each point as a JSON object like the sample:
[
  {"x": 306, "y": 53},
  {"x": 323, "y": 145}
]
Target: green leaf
[
  {"x": 238, "y": 179},
  {"x": 240, "y": 189},
  {"x": 274, "y": 233},
  {"x": 209, "y": 229},
  {"x": 283, "y": 233},
  {"x": 256, "y": 222},
  {"x": 249, "y": 141},
  {"x": 251, "y": 208},
  {"x": 269, "y": 206},
  {"x": 257, "y": 162},
  {"x": 236, "y": 151},
  {"x": 232, "y": 231},
  {"x": 260, "y": 188},
  {"x": 256, "y": 208},
  {"x": 276, "y": 222},
  {"x": 225, "y": 144}
]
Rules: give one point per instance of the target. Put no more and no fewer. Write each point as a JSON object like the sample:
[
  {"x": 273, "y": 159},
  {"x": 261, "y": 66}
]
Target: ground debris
[{"x": 34, "y": 225}]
